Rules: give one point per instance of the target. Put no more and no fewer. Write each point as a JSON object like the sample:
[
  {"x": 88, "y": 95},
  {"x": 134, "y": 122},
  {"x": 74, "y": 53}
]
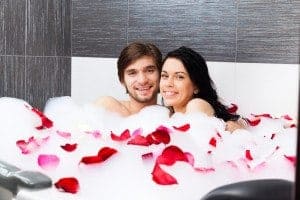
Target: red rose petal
[
  {"x": 160, "y": 135},
  {"x": 103, "y": 154},
  {"x": 124, "y": 136},
  {"x": 184, "y": 127},
  {"x": 139, "y": 140},
  {"x": 253, "y": 122},
  {"x": 248, "y": 154},
  {"x": 267, "y": 115},
  {"x": 292, "y": 159},
  {"x": 287, "y": 117},
  {"x": 170, "y": 155},
  {"x": 69, "y": 147},
  {"x": 161, "y": 177},
  {"x": 213, "y": 142},
  {"x": 147, "y": 156},
  {"x": 273, "y": 136},
  {"x": 68, "y": 184},
  {"x": 46, "y": 122},
  {"x": 233, "y": 108},
  {"x": 106, "y": 152}
]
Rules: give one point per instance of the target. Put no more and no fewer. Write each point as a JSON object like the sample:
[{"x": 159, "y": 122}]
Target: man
[{"x": 139, "y": 67}]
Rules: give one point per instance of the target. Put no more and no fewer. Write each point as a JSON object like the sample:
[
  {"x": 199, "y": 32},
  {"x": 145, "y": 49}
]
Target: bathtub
[{"x": 129, "y": 173}]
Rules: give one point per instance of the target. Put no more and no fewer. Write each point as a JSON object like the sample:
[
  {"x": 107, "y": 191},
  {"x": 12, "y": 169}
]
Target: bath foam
[{"x": 262, "y": 151}]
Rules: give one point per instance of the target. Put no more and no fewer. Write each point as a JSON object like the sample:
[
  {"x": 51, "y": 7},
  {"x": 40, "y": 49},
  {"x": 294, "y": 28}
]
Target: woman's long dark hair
[{"x": 197, "y": 69}]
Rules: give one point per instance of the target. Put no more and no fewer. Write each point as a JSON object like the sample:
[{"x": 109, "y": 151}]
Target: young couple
[{"x": 182, "y": 78}]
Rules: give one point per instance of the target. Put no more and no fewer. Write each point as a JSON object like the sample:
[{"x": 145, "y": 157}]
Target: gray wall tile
[
  {"x": 2, "y": 35},
  {"x": 99, "y": 27},
  {"x": 48, "y": 28},
  {"x": 2, "y": 78},
  {"x": 14, "y": 16},
  {"x": 14, "y": 76},
  {"x": 47, "y": 77},
  {"x": 208, "y": 27},
  {"x": 268, "y": 31}
]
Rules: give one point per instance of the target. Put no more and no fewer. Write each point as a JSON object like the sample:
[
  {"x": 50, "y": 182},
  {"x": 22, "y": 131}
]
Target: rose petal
[
  {"x": 161, "y": 177},
  {"x": 68, "y": 184},
  {"x": 267, "y": 115},
  {"x": 184, "y": 127},
  {"x": 213, "y": 141},
  {"x": 124, "y": 136},
  {"x": 253, "y": 122},
  {"x": 233, "y": 108},
  {"x": 273, "y": 136},
  {"x": 103, "y": 154},
  {"x": 48, "y": 161},
  {"x": 95, "y": 133},
  {"x": 205, "y": 169},
  {"x": 138, "y": 140},
  {"x": 160, "y": 135},
  {"x": 106, "y": 152},
  {"x": 170, "y": 155},
  {"x": 46, "y": 122},
  {"x": 147, "y": 156},
  {"x": 69, "y": 147},
  {"x": 287, "y": 117},
  {"x": 137, "y": 132},
  {"x": 63, "y": 134},
  {"x": 248, "y": 154},
  {"x": 292, "y": 159},
  {"x": 31, "y": 145}
]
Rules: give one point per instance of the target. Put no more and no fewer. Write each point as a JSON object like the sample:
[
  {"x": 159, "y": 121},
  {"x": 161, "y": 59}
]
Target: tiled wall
[
  {"x": 35, "y": 49},
  {"x": 259, "y": 31}
]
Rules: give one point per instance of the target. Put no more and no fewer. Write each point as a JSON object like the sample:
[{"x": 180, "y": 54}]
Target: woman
[{"x": 186, "y": 86}]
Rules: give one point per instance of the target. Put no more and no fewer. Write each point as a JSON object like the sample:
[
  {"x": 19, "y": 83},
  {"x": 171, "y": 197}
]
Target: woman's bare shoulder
[{"x": 199, "y": 105}]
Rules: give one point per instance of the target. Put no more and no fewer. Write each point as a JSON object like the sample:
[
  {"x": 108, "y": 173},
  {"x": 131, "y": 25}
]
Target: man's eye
[
  {"x": 151, "y": 70},
  {"x": 131, "y": 73}
]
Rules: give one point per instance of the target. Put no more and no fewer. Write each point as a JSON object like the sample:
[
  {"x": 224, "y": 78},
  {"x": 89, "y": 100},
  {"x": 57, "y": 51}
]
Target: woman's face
[{"x": 176, "y": 86}]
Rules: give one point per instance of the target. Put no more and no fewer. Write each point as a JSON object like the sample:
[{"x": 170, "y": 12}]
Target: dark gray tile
[
  {"x": 47, "y": 77},
  {"x": 2, "y": 34},
  {"x": 206, "y": 26},
  {"x": 14, "y": 77},
  {"x": 268, "y": 31},
  {"x": 99, "y": 27},
  {"x": 2, "y": 78},
  {"x": 48, "y": 28},
  {"x": 14, "y": 26}
]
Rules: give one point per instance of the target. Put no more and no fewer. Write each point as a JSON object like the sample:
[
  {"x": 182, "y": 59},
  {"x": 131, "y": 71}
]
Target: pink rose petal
[{"x": 48, "y": 161}]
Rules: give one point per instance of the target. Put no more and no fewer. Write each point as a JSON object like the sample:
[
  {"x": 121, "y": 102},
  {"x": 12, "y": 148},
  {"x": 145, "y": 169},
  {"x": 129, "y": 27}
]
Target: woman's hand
[{"x": 233, "y": 125}]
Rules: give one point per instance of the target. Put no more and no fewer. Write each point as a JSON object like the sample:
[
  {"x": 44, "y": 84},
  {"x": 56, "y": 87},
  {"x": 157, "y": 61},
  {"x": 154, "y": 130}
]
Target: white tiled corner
[
  {"x": 223, "y": 75},
  {"x": 95, "y": 77},
  {"x": 267, "y": 88}
]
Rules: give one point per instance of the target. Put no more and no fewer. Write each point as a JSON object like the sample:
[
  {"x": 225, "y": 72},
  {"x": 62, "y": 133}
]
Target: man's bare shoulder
[{"x": 112, "y": 104}]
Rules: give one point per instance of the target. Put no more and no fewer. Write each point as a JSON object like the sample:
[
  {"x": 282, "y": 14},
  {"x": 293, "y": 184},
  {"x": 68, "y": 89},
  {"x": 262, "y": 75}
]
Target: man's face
[{"x": 141, "y": 79}]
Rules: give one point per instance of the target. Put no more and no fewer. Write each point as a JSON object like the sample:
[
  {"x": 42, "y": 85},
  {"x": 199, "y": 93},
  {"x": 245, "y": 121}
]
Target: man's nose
[{"x": 142, "y": 78}]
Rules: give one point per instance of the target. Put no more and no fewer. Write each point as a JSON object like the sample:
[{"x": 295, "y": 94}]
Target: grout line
[{"x": 127, "y": 25}]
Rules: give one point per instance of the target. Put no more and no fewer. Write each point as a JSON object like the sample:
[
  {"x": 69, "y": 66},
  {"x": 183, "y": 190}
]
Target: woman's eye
[
  {"x": 164, "y": 76},
  {"x": 179, "y": 77}
]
